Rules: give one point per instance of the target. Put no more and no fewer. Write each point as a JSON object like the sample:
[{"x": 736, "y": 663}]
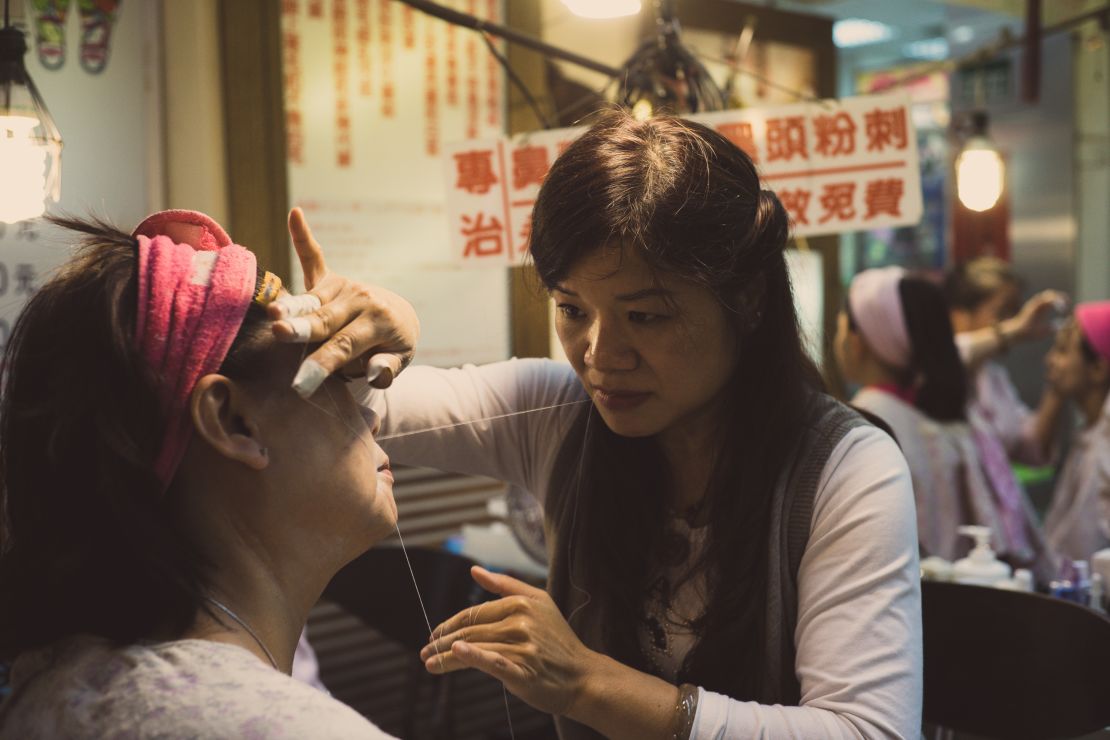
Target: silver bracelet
[{"x": 685, "y": 710}]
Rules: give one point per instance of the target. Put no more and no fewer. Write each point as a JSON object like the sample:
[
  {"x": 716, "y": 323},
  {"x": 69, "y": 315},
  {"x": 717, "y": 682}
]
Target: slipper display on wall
[
  {"x": 97, "y": 18},
  {"x": 49, "y": 18}
]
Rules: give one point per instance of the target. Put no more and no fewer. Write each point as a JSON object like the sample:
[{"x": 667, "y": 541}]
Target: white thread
[
  {"x": 396, "y": 522},
  {"x": 485, "y": 418},
  {"x": 397, "y": 525},
  {"x": 574, "y": 520}
]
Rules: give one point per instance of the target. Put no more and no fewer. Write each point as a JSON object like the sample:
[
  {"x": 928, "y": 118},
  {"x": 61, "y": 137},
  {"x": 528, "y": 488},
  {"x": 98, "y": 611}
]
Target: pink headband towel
[
  {"x": 1094, "y": 321},
  {"x": 876, "y": 307},
  {"x": 194, "y": 289}
]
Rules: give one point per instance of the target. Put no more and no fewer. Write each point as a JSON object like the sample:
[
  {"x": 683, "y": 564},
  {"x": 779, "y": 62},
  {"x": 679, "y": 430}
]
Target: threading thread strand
[
  {"x": 574, "y": 520},
  {"x": 478, "y": 421},
  {"x": 397, "y": 525}
]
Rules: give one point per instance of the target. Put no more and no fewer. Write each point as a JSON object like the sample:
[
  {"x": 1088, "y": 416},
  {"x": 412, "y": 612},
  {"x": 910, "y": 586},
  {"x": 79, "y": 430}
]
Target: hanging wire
[
  {"x": 744, "y": 71},
  {"x": 515, "y": 78}
]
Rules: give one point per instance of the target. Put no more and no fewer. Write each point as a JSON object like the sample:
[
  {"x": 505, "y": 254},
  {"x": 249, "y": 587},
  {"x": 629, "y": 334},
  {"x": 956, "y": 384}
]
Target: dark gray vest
[{"x": 827, "y": 421}]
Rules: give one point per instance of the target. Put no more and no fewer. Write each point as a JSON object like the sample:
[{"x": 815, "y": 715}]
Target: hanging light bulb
[
  {"x": 30, "y": 145},
  {"x": 603, "y": 8},
  {"x": 980, "y": 171}
]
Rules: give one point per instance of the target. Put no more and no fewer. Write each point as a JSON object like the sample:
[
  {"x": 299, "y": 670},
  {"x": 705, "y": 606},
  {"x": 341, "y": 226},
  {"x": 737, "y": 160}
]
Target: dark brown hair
[
  {"x": 935, "y": 371},
  {"x": 971, "y": 284},
  {"x": 690, "y": 202},
  {"x": 89, "y": 543}
]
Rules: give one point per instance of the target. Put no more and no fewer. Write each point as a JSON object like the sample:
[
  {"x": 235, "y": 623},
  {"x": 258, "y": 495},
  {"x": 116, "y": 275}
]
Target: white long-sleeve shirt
[{"x": 858, "y": 636}]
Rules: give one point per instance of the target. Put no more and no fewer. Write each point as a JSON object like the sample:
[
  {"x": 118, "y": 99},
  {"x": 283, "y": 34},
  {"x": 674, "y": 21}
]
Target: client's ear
[{"x": 224, "y": 418}]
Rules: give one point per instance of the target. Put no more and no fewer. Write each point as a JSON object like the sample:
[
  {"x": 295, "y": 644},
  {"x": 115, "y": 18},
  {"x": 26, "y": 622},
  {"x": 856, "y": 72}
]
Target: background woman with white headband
[
  {"x": 170, "y": 509},
  {"x": 895, "y": 340}
]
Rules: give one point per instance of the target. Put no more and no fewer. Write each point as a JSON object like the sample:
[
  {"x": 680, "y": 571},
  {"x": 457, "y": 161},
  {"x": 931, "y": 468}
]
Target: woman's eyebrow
[
  {"x": 645, "y": 293},
  {"x": 634, "y": 296}
]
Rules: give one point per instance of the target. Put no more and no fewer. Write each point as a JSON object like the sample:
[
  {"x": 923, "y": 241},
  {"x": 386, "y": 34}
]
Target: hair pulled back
[
  {"x": 690, "y": 203},
  {"x": 935, "y": 363},
  {"x": 89, "y": 543}
]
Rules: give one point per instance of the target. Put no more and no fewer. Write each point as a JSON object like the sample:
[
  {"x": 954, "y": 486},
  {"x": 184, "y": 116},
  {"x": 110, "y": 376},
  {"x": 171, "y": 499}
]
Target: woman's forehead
[{"x": 619, "y": 270}]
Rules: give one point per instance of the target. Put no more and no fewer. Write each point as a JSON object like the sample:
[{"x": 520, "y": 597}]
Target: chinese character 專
[{"x": 475, "y": 169}]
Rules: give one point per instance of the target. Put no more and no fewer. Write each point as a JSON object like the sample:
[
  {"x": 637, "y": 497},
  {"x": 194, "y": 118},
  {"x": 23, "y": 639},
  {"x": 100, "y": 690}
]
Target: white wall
[
  {"x": 111, "y": 163},
  {"x": 194, "y": 117}
]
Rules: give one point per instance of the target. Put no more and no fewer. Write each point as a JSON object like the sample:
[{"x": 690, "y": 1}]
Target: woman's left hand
[{"x": 521, "y": 640}]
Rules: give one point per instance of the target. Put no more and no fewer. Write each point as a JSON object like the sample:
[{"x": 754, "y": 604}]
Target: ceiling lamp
[
  {"x": 603, "y": 8},
  {"x": 980, "y": 171},
  {"x": 30, "y": 145},
  {"x": 852, "y": 32}
]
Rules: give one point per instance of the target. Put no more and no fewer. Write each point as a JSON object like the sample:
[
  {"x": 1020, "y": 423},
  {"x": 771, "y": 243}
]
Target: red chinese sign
[
  {"x": 294, "y": 81},
  {"x": 492, "y": 186},
  {"x": 837, "y": 166}
]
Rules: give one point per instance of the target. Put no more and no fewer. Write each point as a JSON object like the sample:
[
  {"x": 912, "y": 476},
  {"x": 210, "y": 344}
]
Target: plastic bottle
[
  {"x": 980, "y": 567},
  {"x": 935, "y": 568},
  {"x": 1022, "y": 581},
  {"x": 1096, "y": 593},
  {"x": 1082, "y": 582}
]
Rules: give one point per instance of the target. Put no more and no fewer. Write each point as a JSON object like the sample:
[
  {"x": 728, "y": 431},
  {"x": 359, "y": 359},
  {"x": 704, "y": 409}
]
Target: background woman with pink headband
[
  {"x": 1078, "y": 369},
  {"x": 895, "y": 340},
  {"x": 984, "y": 301},
  {"x": 170, "y": 508}
]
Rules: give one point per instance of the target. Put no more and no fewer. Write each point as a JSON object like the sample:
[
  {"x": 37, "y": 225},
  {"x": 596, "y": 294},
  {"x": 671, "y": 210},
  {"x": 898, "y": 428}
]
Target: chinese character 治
[{"x": 484, "y": 238}]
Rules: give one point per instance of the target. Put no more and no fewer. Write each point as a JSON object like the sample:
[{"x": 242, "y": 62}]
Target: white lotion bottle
[{"x": 980, "y": 567}]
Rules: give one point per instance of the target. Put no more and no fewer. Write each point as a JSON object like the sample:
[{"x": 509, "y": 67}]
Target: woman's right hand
[
  {"x": 364, "y": 329},
  {"x": 1035, "y": 319}
]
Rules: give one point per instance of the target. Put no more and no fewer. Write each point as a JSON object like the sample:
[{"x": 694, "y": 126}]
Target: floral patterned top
[{"x": 85, "y": 687}]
